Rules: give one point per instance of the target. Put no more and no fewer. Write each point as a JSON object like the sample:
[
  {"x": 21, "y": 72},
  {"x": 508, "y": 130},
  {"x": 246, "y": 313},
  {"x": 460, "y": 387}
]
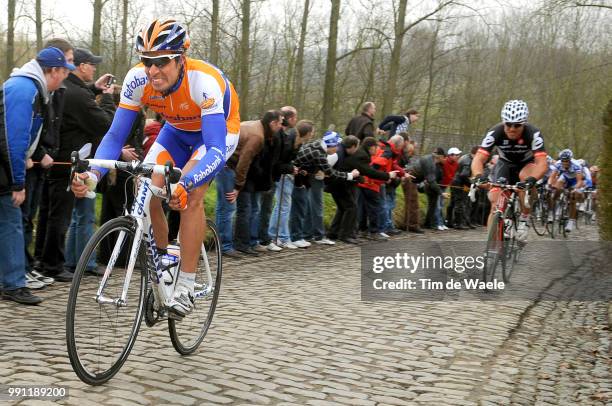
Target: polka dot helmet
[{"x": 514, "y": 111}]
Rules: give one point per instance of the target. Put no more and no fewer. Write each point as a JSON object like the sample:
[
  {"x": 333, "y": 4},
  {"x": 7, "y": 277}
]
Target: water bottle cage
[{"x": 166, "y": 269}]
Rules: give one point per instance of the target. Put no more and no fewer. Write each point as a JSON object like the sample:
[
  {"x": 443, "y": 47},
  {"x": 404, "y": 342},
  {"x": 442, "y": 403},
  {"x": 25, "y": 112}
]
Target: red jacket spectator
[
  {"x": 386, "y": 160},
  {"x": 151, "y": 131},
  {"x": 449, "y": 167}
]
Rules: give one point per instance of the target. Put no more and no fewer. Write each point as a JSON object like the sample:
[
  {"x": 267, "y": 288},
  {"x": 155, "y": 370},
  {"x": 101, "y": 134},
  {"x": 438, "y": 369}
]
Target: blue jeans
[
  {"x": 80, "y": 231},
  {"x": 285, "y": 209},
  {"x": 439, "y": 218},
  {"x": 12, "y": 260},
  {"x": 35, "y": 178},
  {"x": 316, "y": 210},
  {"x": 247, "y": 219},
  {"x": 299, "y": 217},
  {"x": 225, "y": 210},
  {"x": 255, "y": 217},
  {"x": 266, "y": 203},
  {"x": 387, "y": 196}
]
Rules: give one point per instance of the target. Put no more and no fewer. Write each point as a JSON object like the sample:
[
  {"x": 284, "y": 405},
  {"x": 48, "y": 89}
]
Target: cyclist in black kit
[{"x": 522, "y": 156}]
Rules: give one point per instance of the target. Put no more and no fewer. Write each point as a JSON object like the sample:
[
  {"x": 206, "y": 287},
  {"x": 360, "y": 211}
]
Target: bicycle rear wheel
[
  {"x": 100, "y": 335},
  {"x": 495, "y": 256},
  {"x": 187, "y": 334}
]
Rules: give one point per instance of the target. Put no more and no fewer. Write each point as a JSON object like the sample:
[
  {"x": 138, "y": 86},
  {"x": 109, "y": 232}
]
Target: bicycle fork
[{"x": 121, "y": 301}]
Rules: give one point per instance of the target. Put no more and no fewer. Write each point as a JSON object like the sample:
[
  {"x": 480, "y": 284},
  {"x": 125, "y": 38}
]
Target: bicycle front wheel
[
  {"x": 511, "y": 245},
  {"x": 101, "y": 329},
  {"x": 495, "y": 255},
  {"x": 539, "y": 217},
  {"x": 187, "y": 334}
]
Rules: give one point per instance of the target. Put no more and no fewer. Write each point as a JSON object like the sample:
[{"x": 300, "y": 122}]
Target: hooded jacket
[{"x": 23, "y": 106}]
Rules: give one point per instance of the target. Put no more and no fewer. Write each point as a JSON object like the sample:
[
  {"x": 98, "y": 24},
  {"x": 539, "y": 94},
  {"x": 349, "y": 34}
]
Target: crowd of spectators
[{"x": 270, "y": 194}]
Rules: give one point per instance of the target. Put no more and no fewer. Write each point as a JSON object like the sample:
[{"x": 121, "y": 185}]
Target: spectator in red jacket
[
  {"x": 387, "y": 157},
  {"x": 449, "y": 168},
  {"x": 369, "y": 190},
  {"x": 151, "y": 130}
]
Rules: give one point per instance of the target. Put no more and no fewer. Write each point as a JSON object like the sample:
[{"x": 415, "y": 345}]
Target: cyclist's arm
[
  {"x": 113, "y": 141},
  {"x": 129, "y": 106},
  {"x": 541, "y": 166},
  {"x": 553, "y": 177},
  {"x": 579, "y": 180},
  {"x": 478, "y": 163},
  {"x": 486, "y": 147},
  {"x": 214, "y": 134}
]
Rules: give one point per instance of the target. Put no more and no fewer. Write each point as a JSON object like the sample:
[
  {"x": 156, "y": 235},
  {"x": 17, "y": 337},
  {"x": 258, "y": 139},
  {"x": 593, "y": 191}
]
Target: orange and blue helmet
[{"x": 162, "y": 35}]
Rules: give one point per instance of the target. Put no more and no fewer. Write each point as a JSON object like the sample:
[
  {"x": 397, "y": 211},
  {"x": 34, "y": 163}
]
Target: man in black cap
[{"x": 84, "y": 121}]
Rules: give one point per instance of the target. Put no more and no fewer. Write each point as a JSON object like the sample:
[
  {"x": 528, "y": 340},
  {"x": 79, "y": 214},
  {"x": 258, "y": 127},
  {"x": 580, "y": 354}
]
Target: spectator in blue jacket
[{"x": 24, "y": 99}]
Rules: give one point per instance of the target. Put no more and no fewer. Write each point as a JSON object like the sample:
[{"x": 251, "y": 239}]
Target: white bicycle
[{"x": 105, "y": 312}]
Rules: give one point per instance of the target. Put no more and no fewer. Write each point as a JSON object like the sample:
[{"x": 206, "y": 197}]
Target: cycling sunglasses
[
  {"x": 514, "y": 125},
  {"x": 159, "y": 61}
]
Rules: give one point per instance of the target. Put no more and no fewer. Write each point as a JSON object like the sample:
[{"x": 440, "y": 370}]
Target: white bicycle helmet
[
  {"x": 514, "y": 111},
  {"x": 566, "y": 155}
]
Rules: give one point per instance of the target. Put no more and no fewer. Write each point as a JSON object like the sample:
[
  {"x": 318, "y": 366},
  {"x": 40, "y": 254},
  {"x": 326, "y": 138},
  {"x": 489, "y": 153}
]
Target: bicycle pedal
[{"x": 174, "y": 315}]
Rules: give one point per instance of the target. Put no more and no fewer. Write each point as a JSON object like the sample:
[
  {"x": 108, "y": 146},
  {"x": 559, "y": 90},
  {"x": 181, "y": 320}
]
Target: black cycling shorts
[{"x": 508, "y": 171}]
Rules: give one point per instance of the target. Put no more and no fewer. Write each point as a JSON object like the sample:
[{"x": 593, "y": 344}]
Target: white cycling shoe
[
  {"x": 182, "y": 301},
  {"x": 522, "y": 231}
]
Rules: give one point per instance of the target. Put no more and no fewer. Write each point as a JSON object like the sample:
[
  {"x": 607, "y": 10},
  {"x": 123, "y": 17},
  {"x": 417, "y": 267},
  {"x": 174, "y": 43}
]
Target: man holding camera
[{"x": 84, "y": 121}]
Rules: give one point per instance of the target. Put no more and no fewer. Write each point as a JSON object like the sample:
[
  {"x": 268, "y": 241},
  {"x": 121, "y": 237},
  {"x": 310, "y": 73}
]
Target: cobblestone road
[{"x": 291, "y": 328}]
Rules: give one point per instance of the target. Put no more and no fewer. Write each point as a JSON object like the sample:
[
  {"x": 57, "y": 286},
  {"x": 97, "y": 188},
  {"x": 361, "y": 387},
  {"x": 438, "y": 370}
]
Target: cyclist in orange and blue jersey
[{"x": 201, "y": 132}]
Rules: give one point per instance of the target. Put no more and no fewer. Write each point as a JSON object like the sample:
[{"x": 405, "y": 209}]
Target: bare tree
[
  {"x": 123, "y": 53},
  {"x": 214, "y": 33},
  {"x": 298, "y": 88},
  {"x": 605, "y": 189},
  {"x": 400, "y": 32},
  {"x": 9, "y": 57},
  {"x": 39, "y": 24},
  {"x": 244, "y": 58},
  {"x": 330, "y": 67},
  {"x": 97, "y": 26}
]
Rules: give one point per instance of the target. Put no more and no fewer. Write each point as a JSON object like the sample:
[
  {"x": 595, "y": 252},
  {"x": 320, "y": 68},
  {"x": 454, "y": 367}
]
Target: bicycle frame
[{"x": 141, "y": 214}]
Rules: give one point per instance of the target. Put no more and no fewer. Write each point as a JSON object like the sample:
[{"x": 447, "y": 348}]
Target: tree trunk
[
  {"x": 214, "y": 33},
  {"x": 430, "y": 81},
  {"x": 330, "y": 67},
  {"x": 39, "y": 35},
  {"x": 395, "y": 59},
  {"x": 10, "y": 39},
  {"x": 124, "y": 32},
  {"x": 268, "y": 81},
  {"x": 97, "y": 27},
  {"x": 298, "y": 88},
  {"x": 604, "y": 189},
  {"x": 244, "y": 59}
]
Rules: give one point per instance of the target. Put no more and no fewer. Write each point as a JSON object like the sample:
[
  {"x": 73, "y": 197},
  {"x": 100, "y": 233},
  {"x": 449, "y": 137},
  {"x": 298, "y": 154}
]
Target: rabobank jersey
[
  {"x": 569, "y": 173},
  {"x": 520, "y": 151},
  {"x": 204, "y": 90}
]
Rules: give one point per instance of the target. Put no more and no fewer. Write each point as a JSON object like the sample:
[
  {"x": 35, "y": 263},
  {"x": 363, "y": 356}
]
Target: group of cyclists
[
  {"x": 523, "y": 159},
  {"x": 201, "y": 132}
]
